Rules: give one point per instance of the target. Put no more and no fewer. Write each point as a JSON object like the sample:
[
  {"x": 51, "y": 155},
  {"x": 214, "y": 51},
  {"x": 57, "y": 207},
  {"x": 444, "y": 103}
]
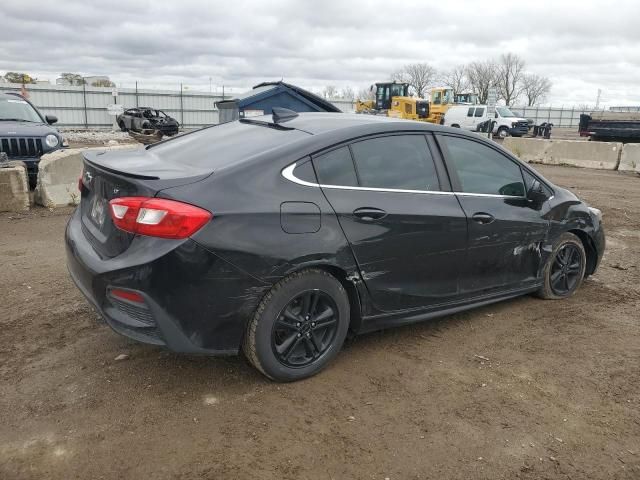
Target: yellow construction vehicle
[
  {"x": 465, "y": 99},
  {"x": 392, "y": 99}
]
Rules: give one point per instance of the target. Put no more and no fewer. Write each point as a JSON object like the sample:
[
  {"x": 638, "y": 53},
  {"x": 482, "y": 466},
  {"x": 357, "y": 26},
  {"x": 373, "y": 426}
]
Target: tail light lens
[{"x": 157, "y": 217}]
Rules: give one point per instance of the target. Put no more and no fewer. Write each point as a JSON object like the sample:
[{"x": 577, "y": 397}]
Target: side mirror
[
  {"x": 496, "y": 115},
  {"x": 51, "y": 119},
  {"x": 536, "y": 193}
]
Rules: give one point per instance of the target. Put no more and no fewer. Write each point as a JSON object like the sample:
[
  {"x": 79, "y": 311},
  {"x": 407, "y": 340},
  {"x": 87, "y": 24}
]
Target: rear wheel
[
  {"x": 564, "y": 271},
  {"x": 122, "y": 126},
  {"x": 299, "y": 326}
]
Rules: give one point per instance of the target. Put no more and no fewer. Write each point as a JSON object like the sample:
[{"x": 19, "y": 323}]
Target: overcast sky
[{"x": 580, "y": 45}]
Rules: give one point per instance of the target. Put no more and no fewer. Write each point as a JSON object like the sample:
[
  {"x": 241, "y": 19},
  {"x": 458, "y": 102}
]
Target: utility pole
[{"x": 598, "y": 98}]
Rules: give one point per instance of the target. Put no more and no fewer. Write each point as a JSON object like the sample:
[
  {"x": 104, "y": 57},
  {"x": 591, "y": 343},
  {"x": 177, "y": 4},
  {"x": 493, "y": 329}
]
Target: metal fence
[
  {"x": 560, "y": 117},
  {"x": 86, "y": 107}
]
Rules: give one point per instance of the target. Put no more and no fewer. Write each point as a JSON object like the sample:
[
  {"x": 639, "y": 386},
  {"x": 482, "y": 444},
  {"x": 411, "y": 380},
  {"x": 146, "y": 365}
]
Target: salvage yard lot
[{"x": 522, "y": 389}]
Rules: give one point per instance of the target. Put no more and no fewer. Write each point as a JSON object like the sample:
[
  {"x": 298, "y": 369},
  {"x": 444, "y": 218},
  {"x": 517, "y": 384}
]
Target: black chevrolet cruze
[{"x": 280, "y": 235}]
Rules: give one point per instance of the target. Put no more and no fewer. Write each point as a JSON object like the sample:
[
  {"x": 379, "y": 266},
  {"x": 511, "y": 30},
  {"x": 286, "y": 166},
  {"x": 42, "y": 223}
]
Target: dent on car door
[
  {"x": 506, "y": 230},
  {"x": 407, "y": 235}
]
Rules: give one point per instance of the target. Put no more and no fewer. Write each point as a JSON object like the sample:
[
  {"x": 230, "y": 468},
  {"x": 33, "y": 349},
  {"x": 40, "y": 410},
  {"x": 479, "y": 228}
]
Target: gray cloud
[{"x": 581, "y": 46}]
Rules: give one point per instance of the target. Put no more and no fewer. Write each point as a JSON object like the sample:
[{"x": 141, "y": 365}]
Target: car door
[
  {"x": 478, "y": 117},
  {"x": 505, "y": 229},
  {"x": 405, "y": 227},
  {"x": 469, "y": 121}
]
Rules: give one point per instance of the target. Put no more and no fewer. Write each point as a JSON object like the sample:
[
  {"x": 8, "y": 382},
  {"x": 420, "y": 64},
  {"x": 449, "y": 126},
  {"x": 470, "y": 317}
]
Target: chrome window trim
[{"x": 287, "y": 173}]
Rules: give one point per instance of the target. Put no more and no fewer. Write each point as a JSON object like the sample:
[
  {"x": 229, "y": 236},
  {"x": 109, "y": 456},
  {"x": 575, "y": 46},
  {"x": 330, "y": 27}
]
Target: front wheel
[
  {"x": 564, "y": 271},
  {"x": 503, "y": 132},
  {"x": 299, "y": 326}
]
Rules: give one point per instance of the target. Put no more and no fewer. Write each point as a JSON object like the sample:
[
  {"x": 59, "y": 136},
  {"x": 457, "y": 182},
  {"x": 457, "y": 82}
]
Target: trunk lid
[{"x": 109, "y": 175}]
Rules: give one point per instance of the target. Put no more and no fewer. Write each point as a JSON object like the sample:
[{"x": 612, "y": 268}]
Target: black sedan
[{"x": 279, "y": 236}]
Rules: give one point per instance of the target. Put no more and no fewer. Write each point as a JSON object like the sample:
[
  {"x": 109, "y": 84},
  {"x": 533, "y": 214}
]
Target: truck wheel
[
  {"x": 503, "y": 132},
  {"x": 299, "y": 326}
]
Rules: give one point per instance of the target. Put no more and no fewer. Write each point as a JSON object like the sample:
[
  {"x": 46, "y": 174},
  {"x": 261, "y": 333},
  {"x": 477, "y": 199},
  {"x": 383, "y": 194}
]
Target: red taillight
[
  {"x": 157, "y": 217},
  {"x": 127, "y": 295}
]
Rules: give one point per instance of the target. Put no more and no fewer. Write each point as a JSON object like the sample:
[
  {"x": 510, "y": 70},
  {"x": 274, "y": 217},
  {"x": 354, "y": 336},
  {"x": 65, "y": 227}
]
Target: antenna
[{"x": 281, "y": 115}]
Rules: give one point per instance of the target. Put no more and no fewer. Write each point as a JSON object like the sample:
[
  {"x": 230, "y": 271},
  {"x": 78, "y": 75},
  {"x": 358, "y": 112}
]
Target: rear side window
[
  {"x": 223, "y": 145},
  {"x": 470, "y": 112},
  {"x": 479, "y": 112},
  {"x": 399, "y": 162},
  {"x": 304, "y": 171},
  {"x": 482, "y": 169},
  {"x": 336, "y": 168}
]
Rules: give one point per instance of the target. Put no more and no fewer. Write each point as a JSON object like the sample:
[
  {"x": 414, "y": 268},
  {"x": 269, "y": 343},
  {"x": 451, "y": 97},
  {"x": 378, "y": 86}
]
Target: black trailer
[{"x": 619, "y": 126}]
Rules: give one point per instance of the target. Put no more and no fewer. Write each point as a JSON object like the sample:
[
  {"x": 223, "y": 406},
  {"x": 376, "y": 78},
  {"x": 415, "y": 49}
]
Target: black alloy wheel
[
  {"x": 305, "y": 328},
  {"x": 299, "y": 326},
  {"x": 566, "y": 270}
]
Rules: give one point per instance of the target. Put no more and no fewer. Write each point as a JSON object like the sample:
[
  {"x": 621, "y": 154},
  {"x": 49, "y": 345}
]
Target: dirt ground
[{"x": 525, "y": 389}]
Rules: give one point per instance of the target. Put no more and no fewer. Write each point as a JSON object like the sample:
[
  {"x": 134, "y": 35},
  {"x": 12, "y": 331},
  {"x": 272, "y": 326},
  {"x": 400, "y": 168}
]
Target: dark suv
[{"x": 25, "y": 134}]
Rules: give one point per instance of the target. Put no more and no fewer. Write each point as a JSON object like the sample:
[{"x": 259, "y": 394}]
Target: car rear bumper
[{"x": 193, "y": 301}]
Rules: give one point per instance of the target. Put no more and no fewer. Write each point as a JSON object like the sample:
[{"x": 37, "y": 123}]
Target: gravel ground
[
  {"x": 81, "y": 138},
  {"x": 523, "y": 389}
]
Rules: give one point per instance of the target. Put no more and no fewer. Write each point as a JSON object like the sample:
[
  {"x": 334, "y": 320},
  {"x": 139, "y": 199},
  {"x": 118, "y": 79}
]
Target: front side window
[
  {"x": 470, "y": 112},
  {"x": 336, "y": 168},
  {"x": 505, "y": 112},
  {"x": 395, "y": 162},
  {"x": 482, "y": 169}
]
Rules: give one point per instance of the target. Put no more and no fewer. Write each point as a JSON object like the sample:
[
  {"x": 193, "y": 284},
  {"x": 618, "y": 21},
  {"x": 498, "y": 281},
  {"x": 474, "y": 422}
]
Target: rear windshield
[{"x": 224, "y": 145}]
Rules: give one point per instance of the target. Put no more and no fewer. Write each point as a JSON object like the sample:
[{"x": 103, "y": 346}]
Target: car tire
[
  {"x": 287, "y": 339},
  {"x": 503, "y": 132},
  {"x": 455, "y": 125},
  {"x": 565, "y": 268},
  {"x": 121, "y": 125}
]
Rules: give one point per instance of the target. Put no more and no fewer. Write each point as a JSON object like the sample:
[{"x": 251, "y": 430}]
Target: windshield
[
  {"x": 18, "y": 109},
  {"x": 505, "y": 112}
]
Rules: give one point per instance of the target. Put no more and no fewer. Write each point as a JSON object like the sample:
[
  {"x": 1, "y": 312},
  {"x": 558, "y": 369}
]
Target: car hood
[{"x": 24, "y": 129}]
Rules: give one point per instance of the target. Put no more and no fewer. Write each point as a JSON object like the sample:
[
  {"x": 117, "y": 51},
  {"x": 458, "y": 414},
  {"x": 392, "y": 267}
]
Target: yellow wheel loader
[{"x": 392, "y": 99}]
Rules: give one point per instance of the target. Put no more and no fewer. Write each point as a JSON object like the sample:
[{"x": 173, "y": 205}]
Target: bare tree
[
  {"x": 366, "y": 94},
  {"x": 419, "y": 76},
  {"x": 535, "y": 88},
  {"x": 330, "y": 91},
  {"x": 457, "y": 79},
  {"x": 510, "y": 73},
  {"x": 347, "y": 93},
  {"x": 482, "y": 76}
]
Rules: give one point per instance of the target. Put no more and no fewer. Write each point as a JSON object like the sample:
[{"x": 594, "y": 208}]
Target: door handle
[
  {"x": 369, "y": 214},
  {"x": 483, "y": 218}
]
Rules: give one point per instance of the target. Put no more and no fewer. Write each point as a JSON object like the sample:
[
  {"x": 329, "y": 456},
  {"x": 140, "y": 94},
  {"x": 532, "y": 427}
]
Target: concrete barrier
[
  {"x": 58, "y": 174},
  {"x": 14, "y": 188},
  {"x": 630, "y": 158},
  {"x": 600, "y": 155},
  {"x": 527, "y": 149}
]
